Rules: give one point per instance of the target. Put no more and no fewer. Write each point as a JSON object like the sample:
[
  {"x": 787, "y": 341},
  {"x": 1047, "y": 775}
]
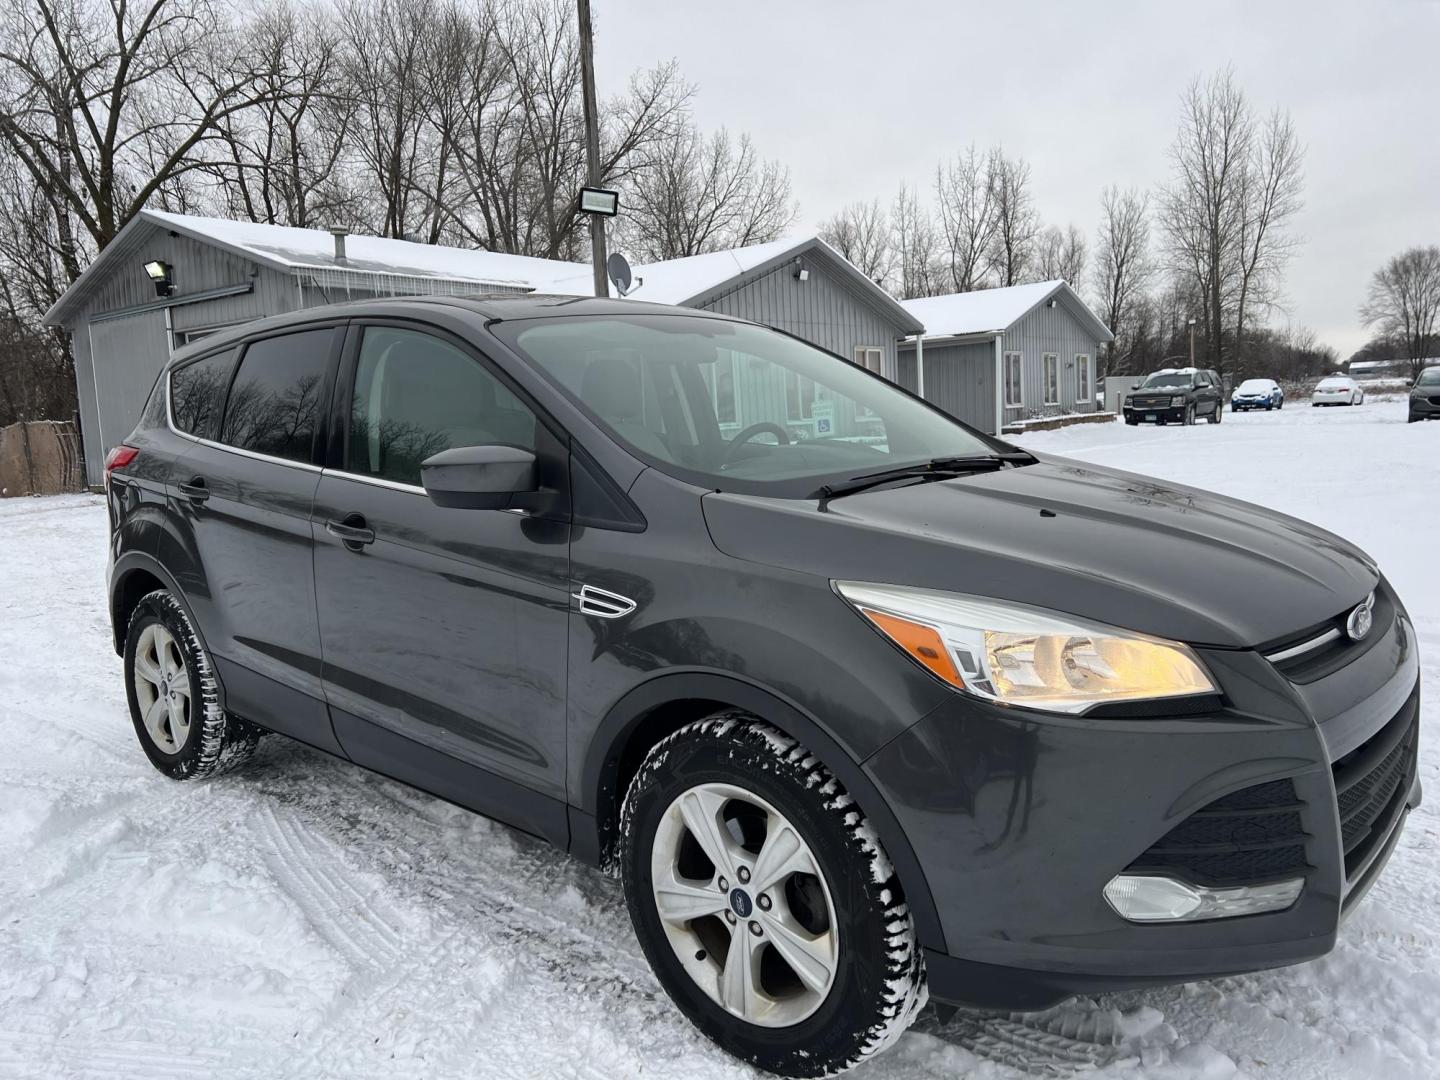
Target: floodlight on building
[{"x": 163, "y": 275}]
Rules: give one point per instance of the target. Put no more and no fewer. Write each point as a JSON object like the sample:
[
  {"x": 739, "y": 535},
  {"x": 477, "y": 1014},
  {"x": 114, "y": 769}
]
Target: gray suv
[{"x": 858, "y": 712}]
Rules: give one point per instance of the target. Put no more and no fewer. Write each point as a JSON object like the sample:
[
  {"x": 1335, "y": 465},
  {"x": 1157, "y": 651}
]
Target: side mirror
[
  {"x": 1134, "y": 386},
  {"x": 485, "y": 477}
]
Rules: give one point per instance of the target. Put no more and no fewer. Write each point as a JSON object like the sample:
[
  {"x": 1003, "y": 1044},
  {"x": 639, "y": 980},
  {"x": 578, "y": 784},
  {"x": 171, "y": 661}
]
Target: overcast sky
[{"x": 856, "y": 97}]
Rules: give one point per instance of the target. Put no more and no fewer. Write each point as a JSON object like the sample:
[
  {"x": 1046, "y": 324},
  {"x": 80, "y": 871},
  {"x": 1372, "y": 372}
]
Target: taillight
[{"x": 119, "y": 457}]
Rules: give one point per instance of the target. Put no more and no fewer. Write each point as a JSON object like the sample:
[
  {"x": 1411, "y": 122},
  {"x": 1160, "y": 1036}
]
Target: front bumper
[
  {"x": 1020, "y": 819},
  {"x": 1242, "y": 404},
  {"x": 1168, "y": 413},
  {"x": 1425, "y": 408}
]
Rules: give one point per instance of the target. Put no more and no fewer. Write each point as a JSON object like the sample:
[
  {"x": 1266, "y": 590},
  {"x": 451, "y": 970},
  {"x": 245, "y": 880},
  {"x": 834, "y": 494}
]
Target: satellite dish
[{"x": 618, "y": 267}]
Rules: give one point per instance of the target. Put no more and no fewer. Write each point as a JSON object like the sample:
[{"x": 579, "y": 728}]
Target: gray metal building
[
  {"x": 996, "y": 356},
  {"x": 229, "y": 272}
]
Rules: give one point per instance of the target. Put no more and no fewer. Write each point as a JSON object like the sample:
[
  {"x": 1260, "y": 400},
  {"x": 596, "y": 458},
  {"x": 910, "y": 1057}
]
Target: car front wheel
[
  {"x": 174, "y": 697},
  {"x": 763, "y": 902}
]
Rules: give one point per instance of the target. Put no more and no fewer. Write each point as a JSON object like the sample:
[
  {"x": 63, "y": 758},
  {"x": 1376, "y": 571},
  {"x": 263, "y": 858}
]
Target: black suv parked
[
  {"x": 1181, "y": 394},
  {"x": 851, "y": 708}
]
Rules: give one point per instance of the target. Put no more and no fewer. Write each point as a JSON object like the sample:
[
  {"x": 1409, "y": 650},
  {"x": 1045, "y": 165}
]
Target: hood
[{"x": 1097, "y": 543}]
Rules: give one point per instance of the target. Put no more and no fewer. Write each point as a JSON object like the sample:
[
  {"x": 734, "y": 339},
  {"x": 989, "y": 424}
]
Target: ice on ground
[{"x": 306, "y": 919}]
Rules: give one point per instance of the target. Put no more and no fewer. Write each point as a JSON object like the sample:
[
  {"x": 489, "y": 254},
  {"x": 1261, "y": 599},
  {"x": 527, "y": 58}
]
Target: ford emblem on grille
[{"x": 1358, "y": 624}]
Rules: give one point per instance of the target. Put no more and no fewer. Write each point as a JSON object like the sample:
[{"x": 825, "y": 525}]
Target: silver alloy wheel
[
  {"x": 162, "y": 688},
  {"x": 756, "y": 928}
]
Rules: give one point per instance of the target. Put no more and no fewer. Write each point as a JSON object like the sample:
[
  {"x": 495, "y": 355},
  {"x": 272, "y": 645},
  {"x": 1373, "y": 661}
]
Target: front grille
[
  {"x": 1151, "y": 402},
  {"x": 1371, "y": 781},
  {"x": 1332, "y": 653},
  {"x": 1250, "y": 836},
  {"x": 1435, "y": 401}
]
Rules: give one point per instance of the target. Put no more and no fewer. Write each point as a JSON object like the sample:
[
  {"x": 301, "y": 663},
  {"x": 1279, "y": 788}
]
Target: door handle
[
  {"x": 195, "y": 490},
  {"x": 352, "y": 530}
]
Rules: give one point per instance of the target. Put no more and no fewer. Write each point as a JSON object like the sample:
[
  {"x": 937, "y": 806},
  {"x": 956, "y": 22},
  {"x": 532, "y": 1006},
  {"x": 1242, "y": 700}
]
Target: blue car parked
[{"x": 1257, "y": 394}]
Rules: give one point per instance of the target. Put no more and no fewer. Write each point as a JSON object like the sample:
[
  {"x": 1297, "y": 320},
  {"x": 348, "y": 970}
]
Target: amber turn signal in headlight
[{"x": 1022, "y": 655}]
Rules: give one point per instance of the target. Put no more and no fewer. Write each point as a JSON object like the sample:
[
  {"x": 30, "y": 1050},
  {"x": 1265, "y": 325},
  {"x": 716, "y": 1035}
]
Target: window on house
[
  {"x": 799, "y": 396},
  {"x": 1083, "y": 388},
  {"x": 1014, "y": 376},
  {"x": 870, "y": 358},
  {"x": 725, "y": 388},
  {"x": 1051, "y": 365}
]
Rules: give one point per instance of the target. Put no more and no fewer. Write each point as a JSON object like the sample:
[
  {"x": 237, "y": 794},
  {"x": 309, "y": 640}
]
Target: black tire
[
  {"x": 879, "y": 984},
  {"x": 216, "y": 743},
  {"x": 1132, "y": 421},
  {"x": 1189, "y": 415},
  {"x": 1217, "y": 414}
]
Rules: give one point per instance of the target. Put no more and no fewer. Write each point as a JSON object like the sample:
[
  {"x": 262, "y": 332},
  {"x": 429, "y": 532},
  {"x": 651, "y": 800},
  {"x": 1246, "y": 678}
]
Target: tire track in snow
[{"x": 313, "y": 873}]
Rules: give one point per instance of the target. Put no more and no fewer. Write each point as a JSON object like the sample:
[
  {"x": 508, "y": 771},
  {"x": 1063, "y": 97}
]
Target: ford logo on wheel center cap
[
  {"x": 1360, "y": 620},
  {"x": 740, "y": 903}
]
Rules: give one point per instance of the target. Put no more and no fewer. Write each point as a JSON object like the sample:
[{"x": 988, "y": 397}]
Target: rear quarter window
[
  {"x": 197, "y": 394},
  {"x": 275, "y": 401}
]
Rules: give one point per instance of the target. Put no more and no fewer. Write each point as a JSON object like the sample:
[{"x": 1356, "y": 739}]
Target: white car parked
[{"x": 1337, "y": 390}]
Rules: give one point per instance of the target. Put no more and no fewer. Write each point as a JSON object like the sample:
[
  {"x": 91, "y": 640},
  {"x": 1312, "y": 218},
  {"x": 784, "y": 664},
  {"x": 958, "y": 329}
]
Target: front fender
[{"x": 600, "y": 797}]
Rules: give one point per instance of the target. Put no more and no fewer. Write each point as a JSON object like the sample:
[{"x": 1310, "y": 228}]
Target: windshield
[
  {"x": 1255, "y": 386},
  {"x": 733, "y": 406},
  {"x": 1169, "y": 380},
  {"x": 1429, "y": 377}
]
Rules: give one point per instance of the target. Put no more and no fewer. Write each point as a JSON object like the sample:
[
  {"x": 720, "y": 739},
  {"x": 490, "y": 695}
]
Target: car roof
[{"x": 492, "y": 307}]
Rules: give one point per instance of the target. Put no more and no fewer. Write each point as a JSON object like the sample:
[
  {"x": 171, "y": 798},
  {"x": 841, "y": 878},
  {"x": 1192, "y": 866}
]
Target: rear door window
[
  {"x": 416, "y": 395},
  {"x": 197, "y": 394},
  {"x": 275, "y": 403}
]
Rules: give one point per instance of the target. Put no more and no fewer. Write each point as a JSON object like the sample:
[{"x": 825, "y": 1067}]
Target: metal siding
[
  {"x": 821, "y": 310},
  {"x": 85, "y": 396},
  {"x": 959, "y": 378},
  {"x": 1047, "y": 330},
  {"x": 906, "y": 370},
  {"x": 132, "y": 349}
]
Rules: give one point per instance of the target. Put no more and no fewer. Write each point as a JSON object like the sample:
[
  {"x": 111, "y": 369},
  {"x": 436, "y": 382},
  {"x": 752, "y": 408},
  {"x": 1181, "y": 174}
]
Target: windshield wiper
[{"x": 935, "y": 469}]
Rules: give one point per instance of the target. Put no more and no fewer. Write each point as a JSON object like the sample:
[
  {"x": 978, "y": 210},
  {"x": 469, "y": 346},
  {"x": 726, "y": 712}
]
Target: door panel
[
  {"x": 448, "y": 629},
  {"x": 249, "y": 583},
  {"x": 242, "y": 498}
]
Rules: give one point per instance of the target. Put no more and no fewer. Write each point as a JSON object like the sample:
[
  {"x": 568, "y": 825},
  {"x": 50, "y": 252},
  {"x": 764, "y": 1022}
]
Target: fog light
[{"x": 1146, "y": 898}]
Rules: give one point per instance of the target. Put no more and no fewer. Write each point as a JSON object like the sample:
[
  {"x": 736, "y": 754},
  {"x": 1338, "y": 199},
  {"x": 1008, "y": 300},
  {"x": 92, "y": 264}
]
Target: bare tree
[
  {"x": 1017, "y": 224},
  {"x": 1235, "y": 186},
  {"x": 861, "y": 232},
  {"x": 1269, "y": 196},
  {"x": 281, "y": 161},
  {"x": 1123, "y": 266},
  {"x": 915, "y": 246},
  {"x": 965, "y": 199},
  {"x": 1403, "y": 302},
  {"x": 106, "y": 105},
  {"x": 696, "y": 194},
  {"x": 1061, "y": 253}
]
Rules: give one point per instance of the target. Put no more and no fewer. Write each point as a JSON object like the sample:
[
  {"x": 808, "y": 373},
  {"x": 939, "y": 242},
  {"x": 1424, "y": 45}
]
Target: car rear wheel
[
  {"x": 763, "y": 902},
  {"x": 1217, "y": 414},
  {"x": 174, "y": 696}
]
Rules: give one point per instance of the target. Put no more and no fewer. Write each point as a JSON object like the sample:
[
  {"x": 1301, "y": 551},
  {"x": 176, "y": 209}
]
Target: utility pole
[
  {"x": 1192, "y": 342},
  {"x": 592, "y": 144}
]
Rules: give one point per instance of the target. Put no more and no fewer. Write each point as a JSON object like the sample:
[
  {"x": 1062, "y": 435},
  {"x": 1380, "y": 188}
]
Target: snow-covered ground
[{"x": 303, "y": 918}]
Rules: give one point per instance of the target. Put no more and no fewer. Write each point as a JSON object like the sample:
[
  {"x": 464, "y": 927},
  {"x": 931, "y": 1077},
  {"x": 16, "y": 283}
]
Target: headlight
[
  {"x": 1177, "y": 401},
  {"x": 1019, "y": 655}
]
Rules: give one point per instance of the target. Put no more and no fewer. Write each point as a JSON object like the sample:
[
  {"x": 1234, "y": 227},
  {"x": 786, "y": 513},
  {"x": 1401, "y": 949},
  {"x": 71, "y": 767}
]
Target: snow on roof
[
  {"x": 980, "y": 312},
  {"x": 676, "y": 280},
  {"x": 315, "y": 249}
]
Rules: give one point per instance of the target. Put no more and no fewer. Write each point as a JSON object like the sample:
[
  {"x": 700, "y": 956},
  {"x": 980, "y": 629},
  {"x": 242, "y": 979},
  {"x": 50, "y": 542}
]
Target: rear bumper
[{"x": 1020, "y": 820}]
